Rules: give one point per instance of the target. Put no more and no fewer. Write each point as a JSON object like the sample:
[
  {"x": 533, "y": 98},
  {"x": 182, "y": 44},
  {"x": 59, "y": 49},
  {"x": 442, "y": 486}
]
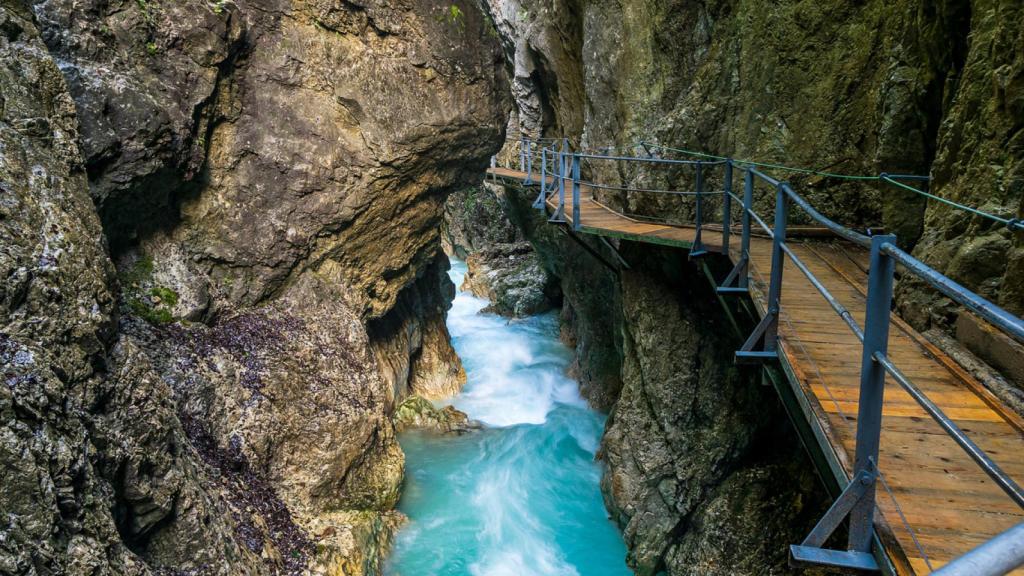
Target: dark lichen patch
[
  {"x": 251, "y": 494},
  {"x": 249, "y": 338}
]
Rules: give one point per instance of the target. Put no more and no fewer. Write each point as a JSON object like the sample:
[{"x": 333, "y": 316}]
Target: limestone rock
[
  {"x": 417, "y": 412},
  {"x": 94, "y": 459},
  {"x": 512, "y": 278},
  {"x": 273, "y": 205},
  {"x": 474, "y": 219}
]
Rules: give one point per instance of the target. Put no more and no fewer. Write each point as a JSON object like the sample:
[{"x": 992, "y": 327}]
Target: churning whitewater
[{"x": 521, "y": 496}]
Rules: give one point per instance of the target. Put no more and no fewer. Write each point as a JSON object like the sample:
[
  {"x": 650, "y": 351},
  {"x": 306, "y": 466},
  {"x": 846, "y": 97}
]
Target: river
[{"x": 520, "y": 497}]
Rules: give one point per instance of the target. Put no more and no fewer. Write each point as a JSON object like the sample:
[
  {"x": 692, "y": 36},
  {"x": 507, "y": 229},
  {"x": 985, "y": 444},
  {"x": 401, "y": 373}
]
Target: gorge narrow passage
[{"x": 520, "y": 496}]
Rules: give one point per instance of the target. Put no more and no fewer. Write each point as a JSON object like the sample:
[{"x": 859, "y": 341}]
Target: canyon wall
[
  {"x": 222, "y": 270},
  {"x": 848, "y": 88}
]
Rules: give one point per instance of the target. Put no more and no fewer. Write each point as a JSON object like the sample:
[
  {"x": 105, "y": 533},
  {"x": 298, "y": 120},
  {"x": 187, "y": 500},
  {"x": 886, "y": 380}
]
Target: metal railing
[{"x": 559, "y": 166}]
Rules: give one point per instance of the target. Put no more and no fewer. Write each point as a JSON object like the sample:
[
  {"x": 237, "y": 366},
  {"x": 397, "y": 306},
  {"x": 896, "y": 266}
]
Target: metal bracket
[
  {"x": 738, "y": 271},
  {"x": 613, "y": 250},
  {"x": 810, "y": 551},
  {"x": 747, "y": 353}
]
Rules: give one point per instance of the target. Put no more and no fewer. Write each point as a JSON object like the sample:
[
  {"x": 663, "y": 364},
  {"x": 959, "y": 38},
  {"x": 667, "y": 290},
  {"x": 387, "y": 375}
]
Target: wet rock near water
[
  {"x": 512, "y": 278},
  {"x": 417, "y": 412},
  {"x": 474, "y": 218}
]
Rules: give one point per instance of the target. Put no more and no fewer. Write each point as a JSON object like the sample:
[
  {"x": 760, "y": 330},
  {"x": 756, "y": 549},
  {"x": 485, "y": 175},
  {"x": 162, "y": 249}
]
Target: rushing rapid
[{"x": 521, "y": 496}]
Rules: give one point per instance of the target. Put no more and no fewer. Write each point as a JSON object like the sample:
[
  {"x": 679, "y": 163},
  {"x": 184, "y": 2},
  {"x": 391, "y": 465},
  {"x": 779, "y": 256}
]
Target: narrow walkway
[{"x": 935, "y": 502}]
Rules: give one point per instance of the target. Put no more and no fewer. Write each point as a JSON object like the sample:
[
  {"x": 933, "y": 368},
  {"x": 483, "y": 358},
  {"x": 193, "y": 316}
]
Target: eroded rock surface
[
  {"x": 474, "y": 219},
  {"x": 511, "y": 277},
  {"x": 272, "y": 202},
  {"x": 97, "y": 467},
  {"x": 418, "y": 412}
]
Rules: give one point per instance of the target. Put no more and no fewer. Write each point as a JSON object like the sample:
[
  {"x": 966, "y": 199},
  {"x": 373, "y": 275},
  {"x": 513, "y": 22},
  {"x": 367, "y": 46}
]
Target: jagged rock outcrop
[
  {"x": 543, "y": 44},
  {"x": 511, "y": 277},
  {"x": 979, "y": 162},
  {"x": 474, "y": 219},
  {"x": 273, "y": 207},
  {"x": 95, "y": 461},
  {"x": 703, "y": 473},
  {"x": 418, "y": 412}
]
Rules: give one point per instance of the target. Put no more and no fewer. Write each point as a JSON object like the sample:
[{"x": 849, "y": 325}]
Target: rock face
[
  {"x": 979, "y": 162},
  {"x": 474, "y": 219},
  {"x": 512, "y": 278},
  {"x": 95, "y": 460},
  {"x": 222, "y": 402},
  {"x": 418, "y": 412},
  {"x": 845, "y": 88}
]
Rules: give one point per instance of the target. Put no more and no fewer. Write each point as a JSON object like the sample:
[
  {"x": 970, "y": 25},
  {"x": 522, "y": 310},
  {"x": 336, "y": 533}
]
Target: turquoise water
[{"x": 520, "y": 497}]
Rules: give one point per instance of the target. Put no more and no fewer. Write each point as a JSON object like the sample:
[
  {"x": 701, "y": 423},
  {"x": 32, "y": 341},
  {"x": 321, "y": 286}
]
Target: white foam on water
[
  {"x": 521, "y": 497},
  {"x": 508, "y": 383}
]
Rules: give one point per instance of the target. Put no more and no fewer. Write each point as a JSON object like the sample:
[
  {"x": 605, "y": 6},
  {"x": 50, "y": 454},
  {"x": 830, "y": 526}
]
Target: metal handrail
[{"x": 857, "y": 501}]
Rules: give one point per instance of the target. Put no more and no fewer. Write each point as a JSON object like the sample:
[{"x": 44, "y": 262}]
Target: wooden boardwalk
[{"x": 935, "y": 503}]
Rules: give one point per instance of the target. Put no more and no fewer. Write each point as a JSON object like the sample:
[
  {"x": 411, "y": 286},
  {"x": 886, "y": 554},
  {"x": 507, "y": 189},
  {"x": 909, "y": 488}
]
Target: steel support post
[
  {"x": 738, "y": 274},
  {"x": 768, "y": 328},
  {"x": 872, "y": 386},
  {"x": 529, "y": 163},
  {"x": 542, "y": 196},
  {"x": 771, "y": 336},
  {"x": 727, "y": 207},
  {"x": 748, "y": 206},
  {"x": 576, "y": 192},
  {"x": 858, "y": 498},
  {"x": 698, "y": 246},
  {"x": 559, "y": 215}
]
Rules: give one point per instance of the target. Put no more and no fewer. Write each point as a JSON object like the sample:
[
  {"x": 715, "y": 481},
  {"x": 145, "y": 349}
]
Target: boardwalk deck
[{"x": 935, "y": 502}]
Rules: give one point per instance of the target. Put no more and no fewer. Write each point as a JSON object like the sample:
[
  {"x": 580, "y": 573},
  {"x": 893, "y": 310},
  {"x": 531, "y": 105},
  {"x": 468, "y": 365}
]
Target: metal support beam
[
  {"x": 576, "y": 192},
  {"x": 543, "y": 194},
  {"x": 727, "y": 208},
  {"x": 872, "y": 385},
  {"x": 768, "y": 329},
  {"x": 529, "y": 163},
  {"x": 739, "y": 271},
  {"x": 559, "y": 215},
  {"x": 858, "y": 500},
  {"x": 615, "y": 251},
  {"x": 698, "y": 248}
]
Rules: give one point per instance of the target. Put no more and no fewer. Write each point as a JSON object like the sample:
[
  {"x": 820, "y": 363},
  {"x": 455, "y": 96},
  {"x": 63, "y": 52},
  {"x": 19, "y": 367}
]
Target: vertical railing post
[
  {"x": 576, "y": 192},
  {"x": 529, "y": 163},
  {"x": 748, "y": 205},
  {"x": 522, "y": 154},
  {"x": 872, "y": 388},
  {"x": 543, "y": 194},
  {"x": 698, "y": 246},
  {"x": 727, "y": 208},
  {"x": 771, "y": 334},
  {"x": 560, "y": 169}
]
